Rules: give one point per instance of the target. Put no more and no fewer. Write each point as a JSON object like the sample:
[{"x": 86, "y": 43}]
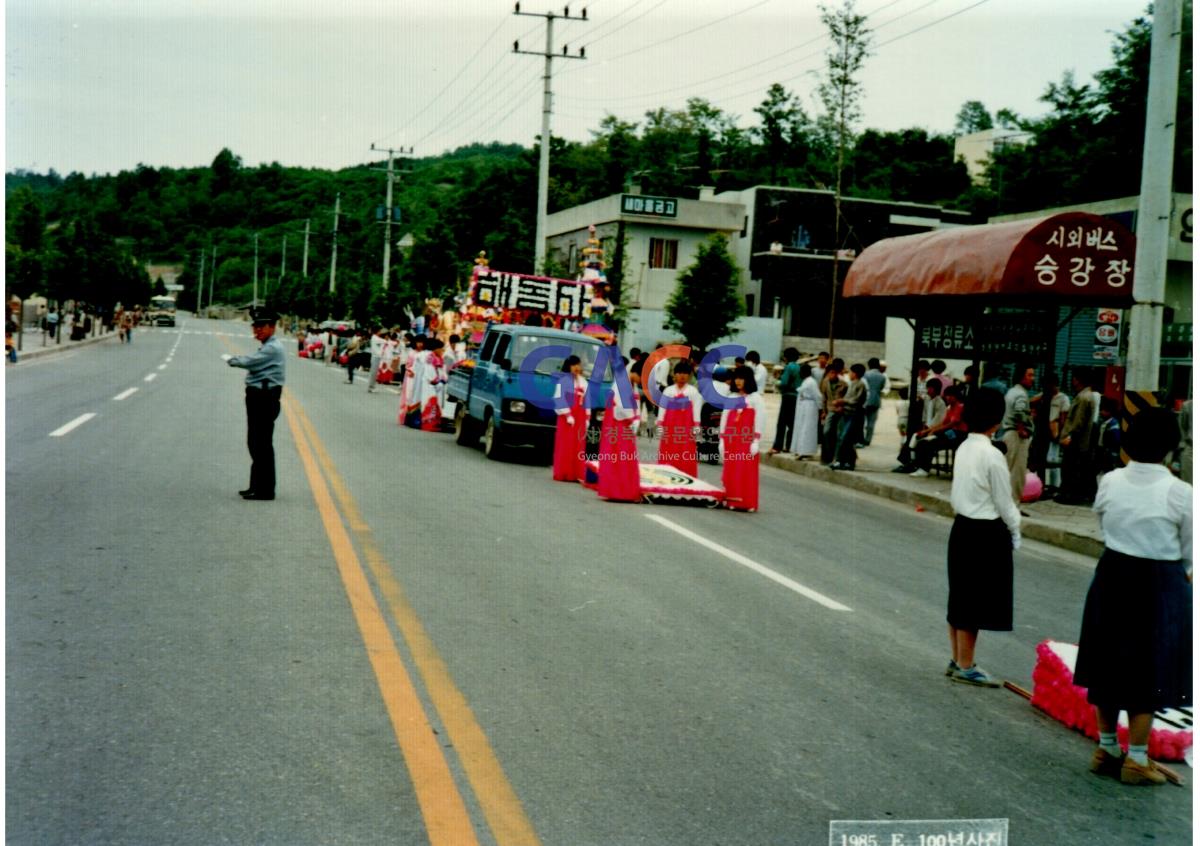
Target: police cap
[{"x": 263, "y": 317}]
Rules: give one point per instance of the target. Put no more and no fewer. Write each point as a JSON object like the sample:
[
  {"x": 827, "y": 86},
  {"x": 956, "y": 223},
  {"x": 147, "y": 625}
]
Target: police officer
[{"x": 264, "y": 384}]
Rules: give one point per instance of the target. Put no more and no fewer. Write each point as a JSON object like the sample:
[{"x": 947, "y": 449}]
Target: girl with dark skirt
[
  {"x": 1135, "y": 646},
  {"x": 986, "y": 530}
]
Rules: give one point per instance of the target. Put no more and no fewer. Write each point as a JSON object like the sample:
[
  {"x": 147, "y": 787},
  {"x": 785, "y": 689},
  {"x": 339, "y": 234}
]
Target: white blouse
[
  {"x": 692, "y": 395},
  {"x": 1146, "y": 512},
  {"x": 982, "y": 489},
  {"x": 754, "y": 401}
]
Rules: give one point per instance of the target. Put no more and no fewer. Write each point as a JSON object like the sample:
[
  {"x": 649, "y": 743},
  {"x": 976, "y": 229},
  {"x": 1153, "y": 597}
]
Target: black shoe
[
  {"x": 246, "y": 492},
  {"x": 254, "y": 495}
]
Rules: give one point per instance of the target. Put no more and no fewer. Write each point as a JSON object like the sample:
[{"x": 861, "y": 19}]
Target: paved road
[{"x": 413, "y": 644}]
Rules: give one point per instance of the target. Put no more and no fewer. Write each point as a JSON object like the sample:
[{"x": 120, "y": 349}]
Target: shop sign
[
  {"x": 992, "y": 337},
  {"x": 499, "y": 290},
  {"x": 1076, "y": 254},
  {"x": 1107, "y": 336},
  {"x": 652, "y": 206}
]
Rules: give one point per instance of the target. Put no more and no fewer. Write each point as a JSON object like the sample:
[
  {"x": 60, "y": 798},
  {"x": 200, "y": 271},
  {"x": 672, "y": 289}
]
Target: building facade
[{"x": 787, "y": 249}]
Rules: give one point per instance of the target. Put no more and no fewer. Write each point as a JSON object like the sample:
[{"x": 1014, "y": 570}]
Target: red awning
[{"x": 1072, "y": 257}]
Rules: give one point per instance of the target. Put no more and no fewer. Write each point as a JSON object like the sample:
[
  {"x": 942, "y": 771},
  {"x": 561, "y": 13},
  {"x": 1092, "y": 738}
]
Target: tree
[
  {"x": 972, "y": 117},
  {"x": 841, "y": 92},
  {"x": 779, "y": 114},
  {"x": 705, "y": 303}
]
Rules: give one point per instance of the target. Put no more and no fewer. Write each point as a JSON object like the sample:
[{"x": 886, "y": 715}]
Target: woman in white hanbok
[{"x": 808, "y": 411}]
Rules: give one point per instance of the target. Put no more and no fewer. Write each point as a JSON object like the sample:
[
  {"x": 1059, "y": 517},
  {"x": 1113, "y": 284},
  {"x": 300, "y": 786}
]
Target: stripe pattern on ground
[
  {"x": 737, "y": 557},
  {"x": 73, "y": 425},
  {"x": 446, "y": 818},
  {"x": 497, "y": 799}
]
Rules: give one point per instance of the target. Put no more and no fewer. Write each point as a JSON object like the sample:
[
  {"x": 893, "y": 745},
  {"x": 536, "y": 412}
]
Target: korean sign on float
[
  {"x": 1107, "y": 339},
  {"x": 562, "y": 297},
  {"x": 1074, "y": 254}
]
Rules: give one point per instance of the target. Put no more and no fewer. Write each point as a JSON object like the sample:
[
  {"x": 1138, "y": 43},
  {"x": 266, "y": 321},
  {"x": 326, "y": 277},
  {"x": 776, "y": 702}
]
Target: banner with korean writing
[
  {"x": 990, "y": 337},
  {"x": 1075, "y": 254},
  {"x": 500, "y": 290}
]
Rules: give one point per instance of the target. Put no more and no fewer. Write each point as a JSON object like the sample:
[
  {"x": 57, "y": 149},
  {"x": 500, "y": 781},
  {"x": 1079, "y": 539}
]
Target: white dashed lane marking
[{"x": 74, "y": 424}]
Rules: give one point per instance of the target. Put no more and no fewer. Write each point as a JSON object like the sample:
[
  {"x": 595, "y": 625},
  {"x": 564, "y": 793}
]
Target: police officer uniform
[{"x": 264, "y": 384}]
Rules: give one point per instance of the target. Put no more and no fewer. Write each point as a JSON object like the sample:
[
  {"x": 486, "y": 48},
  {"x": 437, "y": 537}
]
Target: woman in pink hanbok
[
  {"x": 620, "y": 476},
  {"x": 678, "y": 426},
  {"x": 741, "y": 435},
  {"x": 570, "y": 435}
]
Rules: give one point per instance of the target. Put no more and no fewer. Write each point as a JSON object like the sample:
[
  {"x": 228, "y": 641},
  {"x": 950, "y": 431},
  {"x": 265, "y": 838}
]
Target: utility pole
[
  {"x": 1154, "y": 203},
  {"x": 212, "y": 276},
  {"x": 283, "y": 261},
  {"x": 256, "y": 270},
  {"x": 200, "y": 287},
  {"x": 337, "y": 210},
  {"x": 304, "y": 263},
  {"x": 387, "y": 209},
  {"x": 539, "y": 248}
]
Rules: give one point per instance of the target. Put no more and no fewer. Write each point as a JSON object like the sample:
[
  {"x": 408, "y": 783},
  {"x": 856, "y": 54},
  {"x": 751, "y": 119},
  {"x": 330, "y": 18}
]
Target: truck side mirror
[{"x": 505, "y": 364}]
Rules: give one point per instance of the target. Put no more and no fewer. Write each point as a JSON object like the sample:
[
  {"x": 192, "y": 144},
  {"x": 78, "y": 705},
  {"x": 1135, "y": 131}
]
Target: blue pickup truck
[{"x": 490, "y": 400}]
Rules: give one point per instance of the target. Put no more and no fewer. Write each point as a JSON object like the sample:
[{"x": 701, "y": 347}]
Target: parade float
[{"x": 1055, "y": 692}]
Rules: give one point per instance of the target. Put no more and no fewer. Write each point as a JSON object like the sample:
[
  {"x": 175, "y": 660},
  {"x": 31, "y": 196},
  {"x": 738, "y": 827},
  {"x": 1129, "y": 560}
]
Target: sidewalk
[
  {"x": 34, "y": 348},
  {"x": 1068, "y": 526}
]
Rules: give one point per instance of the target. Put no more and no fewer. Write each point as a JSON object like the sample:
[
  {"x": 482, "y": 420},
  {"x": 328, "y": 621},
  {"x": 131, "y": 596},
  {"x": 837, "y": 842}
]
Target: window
[
  {"x": 664, "y": 253},
  {"x": 488, "y": 347}
]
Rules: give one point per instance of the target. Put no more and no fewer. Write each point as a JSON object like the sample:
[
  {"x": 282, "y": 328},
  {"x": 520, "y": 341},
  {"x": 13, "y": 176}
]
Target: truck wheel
[
  {"x": 464, "y": 427},
  {"x": 493, "y": 441}
]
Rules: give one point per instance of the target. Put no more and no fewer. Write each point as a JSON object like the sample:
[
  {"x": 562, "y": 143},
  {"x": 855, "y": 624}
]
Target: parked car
[{"x": 490, "y": 400}]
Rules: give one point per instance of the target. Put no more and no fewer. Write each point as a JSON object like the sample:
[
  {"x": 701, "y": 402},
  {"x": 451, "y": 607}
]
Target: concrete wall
[
  {"x": 848, "y": 351},
  {"x": 645, "y": 330}
]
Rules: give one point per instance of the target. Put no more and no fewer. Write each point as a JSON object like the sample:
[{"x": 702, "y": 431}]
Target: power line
[
  {"x": 487, "y": 75},
  {"x": 627, "y": 23},
  {"x": 454, "y": 112},
  {"x": 685, "y": 33},
  {"x": 931, "y": 23},
  {"x": 735, "y": 71},
  {"x": 809, "y": 56},
  {"x": 612, "y": 20}
]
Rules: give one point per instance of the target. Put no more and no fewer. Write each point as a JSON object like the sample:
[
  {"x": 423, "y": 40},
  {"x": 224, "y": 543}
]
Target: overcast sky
[{"x": 99, "y": 86}]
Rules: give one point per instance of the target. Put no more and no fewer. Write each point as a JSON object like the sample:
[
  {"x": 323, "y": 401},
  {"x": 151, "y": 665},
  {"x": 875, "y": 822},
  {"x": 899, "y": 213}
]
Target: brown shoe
[
  {"x": 1134, "y": 773},
  {"x": 1104, "y": 764}
]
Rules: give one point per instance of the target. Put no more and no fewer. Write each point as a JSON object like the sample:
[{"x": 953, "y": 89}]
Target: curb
[
  {"x": 52, "y": 349},
  {"x": 1031, "y": 527}
]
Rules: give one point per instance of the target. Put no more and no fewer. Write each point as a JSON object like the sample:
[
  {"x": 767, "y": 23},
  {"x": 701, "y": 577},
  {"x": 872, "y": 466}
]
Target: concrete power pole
[
  {"x": 387, "y": 210},
  {"x": 1154, "y": 203},
  {"x": 304, "y": 263},
  {"x": 256, "y": 270},
  {"x": 212, "y": 275},
  {"x": 539, "y": 247},
  {"x": 200, "y": 287},
  {"x": 283, "y": 261},
  {"x": 337, "y": 210}
]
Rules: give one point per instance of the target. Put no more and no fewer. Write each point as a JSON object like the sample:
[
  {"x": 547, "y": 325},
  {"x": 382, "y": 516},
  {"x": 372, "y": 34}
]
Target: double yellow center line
[{"x": 447, "y": 820}]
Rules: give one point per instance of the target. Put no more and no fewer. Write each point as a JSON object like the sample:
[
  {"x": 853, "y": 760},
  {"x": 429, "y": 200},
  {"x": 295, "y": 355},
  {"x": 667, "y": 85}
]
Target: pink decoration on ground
[{"x": 1055, "y": 692}]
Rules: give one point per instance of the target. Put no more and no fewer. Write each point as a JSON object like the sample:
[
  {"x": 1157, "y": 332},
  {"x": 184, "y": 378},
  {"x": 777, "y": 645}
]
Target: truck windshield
[{"x": 523, "y": 345}]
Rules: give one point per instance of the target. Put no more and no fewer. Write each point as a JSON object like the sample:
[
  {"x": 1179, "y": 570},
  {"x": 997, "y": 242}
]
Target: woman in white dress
[{"x": 808, "y": 410}]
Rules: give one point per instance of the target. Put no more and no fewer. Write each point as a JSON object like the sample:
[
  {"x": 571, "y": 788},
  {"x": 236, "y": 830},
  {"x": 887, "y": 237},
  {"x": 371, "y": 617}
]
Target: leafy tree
[
  {"x": 841, "y": 93},
  {"x": 972, "y": 117},
  {"x": 706, "y": 302}
]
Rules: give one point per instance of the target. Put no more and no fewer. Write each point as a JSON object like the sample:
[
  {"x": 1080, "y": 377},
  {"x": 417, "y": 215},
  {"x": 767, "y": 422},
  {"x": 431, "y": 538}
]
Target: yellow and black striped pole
[{"x": 1135, "y": 402}]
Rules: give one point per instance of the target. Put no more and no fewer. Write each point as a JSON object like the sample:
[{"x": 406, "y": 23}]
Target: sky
[{"x": 99, "y": 86}]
